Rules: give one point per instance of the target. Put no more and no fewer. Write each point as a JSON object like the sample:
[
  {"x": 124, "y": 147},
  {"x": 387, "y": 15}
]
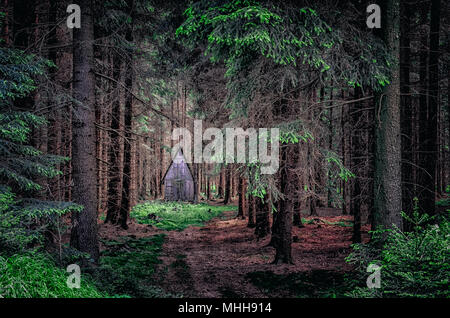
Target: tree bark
[
  {"x": 227, "y": 189},
  {"x": 283, "y": 235},
  {"x": 262, "y": 227},
  {"x": 406, "y": 111},
  {"x": 428, "y": 147},
  {"x": 114, "y": 172},
  {"x": 84, "y": 236},
  {"x": 251, "y": 212},
  {"x": 387, "y": 183},
  {"x": 242, "y": 206},
  {"x": 127, "y": 186},
  {"x": 357, "y": 161}
]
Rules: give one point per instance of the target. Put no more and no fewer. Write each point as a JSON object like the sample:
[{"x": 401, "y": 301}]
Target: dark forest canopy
[{"x": 87, "y": 116}]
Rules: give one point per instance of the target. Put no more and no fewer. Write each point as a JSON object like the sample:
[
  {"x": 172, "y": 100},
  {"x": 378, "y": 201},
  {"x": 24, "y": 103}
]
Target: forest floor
[{"x": 223, "y": 258}]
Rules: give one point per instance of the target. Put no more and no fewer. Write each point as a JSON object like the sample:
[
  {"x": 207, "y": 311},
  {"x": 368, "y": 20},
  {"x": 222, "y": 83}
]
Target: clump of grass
[
  {"x": 34, "y": 275},
  {"x": 343, "y": 223},
  {"x": 176, "y": 216}
]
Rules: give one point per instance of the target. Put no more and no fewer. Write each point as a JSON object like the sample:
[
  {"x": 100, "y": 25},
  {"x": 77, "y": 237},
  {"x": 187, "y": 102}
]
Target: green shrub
[
  {"x": 176, "y": 216},
  {"x": 413, "y": 264},
  {"x": 34, "y": 275}
]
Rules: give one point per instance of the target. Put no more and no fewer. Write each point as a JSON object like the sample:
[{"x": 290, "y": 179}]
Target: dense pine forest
[{"x": 120, "y": 175}]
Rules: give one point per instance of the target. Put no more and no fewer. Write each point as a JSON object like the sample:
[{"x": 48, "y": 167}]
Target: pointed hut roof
[{"x": 179, "y": 159}]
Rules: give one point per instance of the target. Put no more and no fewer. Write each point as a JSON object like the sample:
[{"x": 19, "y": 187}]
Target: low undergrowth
[
  {"x": 128, "y": 265},
  {"x": 412, "y": 264},
  {"x": 176, "y": 216},
  {"x": 35, "y": 275}
]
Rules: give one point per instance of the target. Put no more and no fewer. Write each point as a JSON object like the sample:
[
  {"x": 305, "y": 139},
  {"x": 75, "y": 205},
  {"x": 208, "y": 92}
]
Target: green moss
[{"x": 176, "y": 216}]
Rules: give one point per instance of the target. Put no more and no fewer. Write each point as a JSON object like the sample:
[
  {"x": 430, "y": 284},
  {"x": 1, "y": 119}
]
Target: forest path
[{"x": 219, "y": 259}]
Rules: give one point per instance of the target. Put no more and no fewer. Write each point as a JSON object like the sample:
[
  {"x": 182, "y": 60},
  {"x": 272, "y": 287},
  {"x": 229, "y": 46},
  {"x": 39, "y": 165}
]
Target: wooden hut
[{"x": 178, "y": 180}]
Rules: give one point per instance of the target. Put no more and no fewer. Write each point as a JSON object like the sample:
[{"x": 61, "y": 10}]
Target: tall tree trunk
[
  {"x": 406, "y": 111},
  {"x": 296, "y": 158},
  {"x": 242, "y": 206},
  {"x": 283, "y": 239},
  {"x": 344, "y": 132},
  {"x": 262, "y": 226},
  {"x": 251, "y": 212},
  {"x": 127, "y": 186},
  {"x": 428, "y": 120},
  {"x": 357, "y": 161},
  {"x": 330, "y": 184},
  {"x": 221, "y": 191},
  {"x": 227, "y": 189},
  {"x": 114, "y": 171},
  {"x": 387, "y": 183},
  {"x": 84, "y": 236}
]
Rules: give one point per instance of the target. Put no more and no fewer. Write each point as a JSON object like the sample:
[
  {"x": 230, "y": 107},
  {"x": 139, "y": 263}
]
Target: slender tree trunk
[
  {"x": 221, "y": 191},
  {"x": 242, "y": 206},
  {"x": 127, "y": 186},
  {"x": 429, "y": 121},
  {"x": 406, "y": 112},
  {"x": 251, "y": 212},
  {"x": 296, "y": 158},
  {"x": 114, "y": 171},
  {"x": 262, "y": 226},
  {"x": 84, "y": 235},
  {"x": 344, "y": 116},
  {"x": 227, "y": 189},
  {"x": 330, "y": 184},
  {"x": 208, "y": 188},
  {"x": 387, "y": 183},
  {"x": 357, "y": 160},
  {"x": 283, "y": 239}
]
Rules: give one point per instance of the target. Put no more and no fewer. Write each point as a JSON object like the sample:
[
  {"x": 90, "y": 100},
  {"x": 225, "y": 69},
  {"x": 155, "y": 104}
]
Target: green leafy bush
[
  {"x": 34, "y": 275},
  {"x": 176, "y": 216},
  {"x": 413, "y": 264}
]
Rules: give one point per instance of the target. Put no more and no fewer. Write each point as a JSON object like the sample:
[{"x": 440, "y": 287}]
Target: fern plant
[{"x": 413, "y": 264}]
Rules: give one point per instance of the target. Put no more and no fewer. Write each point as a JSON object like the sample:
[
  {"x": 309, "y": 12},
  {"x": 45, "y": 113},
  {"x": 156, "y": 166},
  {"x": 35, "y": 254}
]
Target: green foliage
[
  {"x": 176, "y": 216},
  {"x": 343, "y": 223},
  {"x": 445, "y": 202},
  {"x": 234, "y": 28},
  {"x": 23, "y": 218},
  {"x": 413, "y": 264},
  {"x": 16, "y": 72},
  {"x": 127, "y": 266},
  {"x": 336, "y": 168},
  {"x": 23, "y": 222},
  {"x": 34, "y": 275},
  {"x": 277, "y": 49},
  {"x": 239, "y": 32}
]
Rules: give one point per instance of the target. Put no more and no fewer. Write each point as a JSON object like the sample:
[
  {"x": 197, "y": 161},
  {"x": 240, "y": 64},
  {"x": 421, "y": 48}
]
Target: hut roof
[{"x": 179, "y": 159}]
